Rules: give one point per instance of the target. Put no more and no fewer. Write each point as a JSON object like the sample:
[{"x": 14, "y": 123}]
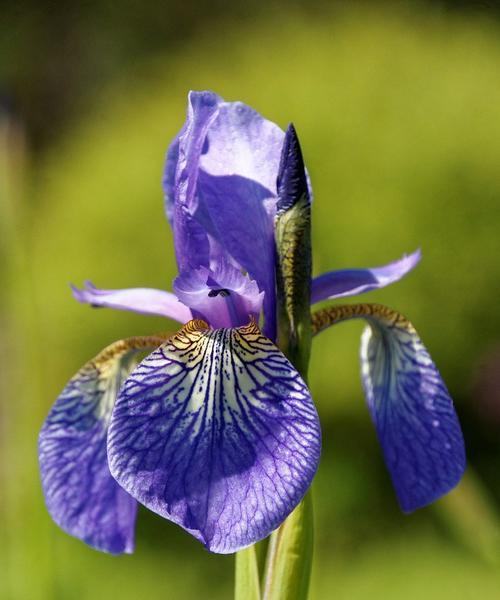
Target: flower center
[
  {"x": 222, "y": 295},
  {"x": 222, "y": 292}
]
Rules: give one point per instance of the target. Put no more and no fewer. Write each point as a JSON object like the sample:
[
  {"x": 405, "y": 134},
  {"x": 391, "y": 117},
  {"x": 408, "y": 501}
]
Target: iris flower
[{"x": 215, "y": 429}]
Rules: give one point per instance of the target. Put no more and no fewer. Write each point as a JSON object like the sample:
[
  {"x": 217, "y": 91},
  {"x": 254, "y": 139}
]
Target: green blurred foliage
[
  {"x": 398, "y": 112},
  {"x": 56, "y": 54}
]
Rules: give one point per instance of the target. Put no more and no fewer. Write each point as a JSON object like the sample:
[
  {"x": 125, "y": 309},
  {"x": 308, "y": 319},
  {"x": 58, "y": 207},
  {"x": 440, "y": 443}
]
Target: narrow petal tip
[
  {"x": 203, "y": 97},
  {"x": 351, "y": 282},
  {"x": 85, "y": 294},
  {"x": 147, "y": 301},
  {"x": 411, "y": 260},
  {"x": 291, "y": 181}
]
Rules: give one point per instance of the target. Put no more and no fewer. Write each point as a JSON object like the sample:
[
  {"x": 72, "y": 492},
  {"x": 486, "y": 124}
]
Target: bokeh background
[{"x": 398, "y": 110}]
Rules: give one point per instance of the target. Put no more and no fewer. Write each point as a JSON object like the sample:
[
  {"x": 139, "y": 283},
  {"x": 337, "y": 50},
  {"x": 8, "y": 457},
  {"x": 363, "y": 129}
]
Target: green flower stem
[
  {"x": 290, "y": 553},
  {"x": 247, "y": 582},
  {"x": 289, "y": 558}
]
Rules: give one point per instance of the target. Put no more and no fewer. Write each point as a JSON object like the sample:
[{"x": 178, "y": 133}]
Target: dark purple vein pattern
[
  {"x": 412, "y": 410},
  {"x": 81, "y": 495},
  {"x": 216, "y": 431}
]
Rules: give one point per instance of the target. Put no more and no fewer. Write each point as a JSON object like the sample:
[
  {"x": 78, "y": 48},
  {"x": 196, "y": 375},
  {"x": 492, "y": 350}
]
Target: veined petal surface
[
  {"x": 350, "y": 282},
  {"x": 81, "y": 495},
  {"x": 141, "y": 300},
  {"x": 412, "y": 410},
  {"x": 217, "y": 432}
]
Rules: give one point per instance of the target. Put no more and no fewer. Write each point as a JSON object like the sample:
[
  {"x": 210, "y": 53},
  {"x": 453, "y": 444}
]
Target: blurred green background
[{"x": 398, "y": 110}]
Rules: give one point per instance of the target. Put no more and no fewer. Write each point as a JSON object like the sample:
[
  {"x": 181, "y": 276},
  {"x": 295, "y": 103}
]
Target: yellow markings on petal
[
  {"x": 251, "y": 328},
  {"x": 105, "y": 359},
  {"x": 247, "y": 334},
  {"x": 213, "y": 363},
  {"x": 99, "y": 380},
  {"x": 194, "y": 326},
  {"x": 188, "y": 334},
  {"x": 322, "y": 319},
  {"x": 196, "y": 329},
  {"x": 234, "y": 441}
]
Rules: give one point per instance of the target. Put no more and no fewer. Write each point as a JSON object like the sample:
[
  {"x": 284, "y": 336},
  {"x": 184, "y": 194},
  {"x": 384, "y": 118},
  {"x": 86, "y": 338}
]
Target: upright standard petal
[
  {"x": 141, "y": 300},
  {"x": 220, "y": 187},
  {"x": 350, "y": 282},
  {"x": 81, "y": 496},
  {"x": 237, "y": 193},
  {"x": 190, "y": 238},
  {"x": 242, "y": 143},
  {"x": 217, "y": 432},
  {"x": 412, "y": 410},
  {"x": 169, "y": 175}
]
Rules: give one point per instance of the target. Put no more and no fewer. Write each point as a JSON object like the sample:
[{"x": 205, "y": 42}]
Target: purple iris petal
[
  {"x": 224, "y": 297},
  {"x": 191, "y": 241},
  {"x": 81, "y": 495},
  {"x": 171, "y": 161},
  {"x": 413, "y": 413},
  {"x": 244, "y": 229},
  {"x": 350, "y": 282},
  {"x": 217, "y": 432},
  {"x": 224, "y": 188},
  {"x": 237, "y": 189},
  {"x": 240, "y": 142},
  {"x": 142, "y": 300}
]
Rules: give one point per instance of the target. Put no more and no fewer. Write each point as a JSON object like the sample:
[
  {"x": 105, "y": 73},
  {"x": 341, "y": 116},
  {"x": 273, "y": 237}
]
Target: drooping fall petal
[
  {"x": 411, "y": 408},
  {"x": 217, "y": 432},
  {"x": 81, "y": 495}
]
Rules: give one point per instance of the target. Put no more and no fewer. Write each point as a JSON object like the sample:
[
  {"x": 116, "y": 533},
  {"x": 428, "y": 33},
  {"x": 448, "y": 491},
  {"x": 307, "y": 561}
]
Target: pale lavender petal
[
  {"x": 171, "y": 161},
  {"x": 241, "y": 143},
  {"x": 190, "y": 238},
  {"x": 217, "y": 432},
  {"x": 237, "y": 193},
  {"x": 244, "y": 228},
  {"x": 141, "y": 300},
  {"x": 223, "y": 297},
  {"x": 81, "y": 495},
  {"x": 350, "y": 282},
  {"x": 223, "y": 189}
]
